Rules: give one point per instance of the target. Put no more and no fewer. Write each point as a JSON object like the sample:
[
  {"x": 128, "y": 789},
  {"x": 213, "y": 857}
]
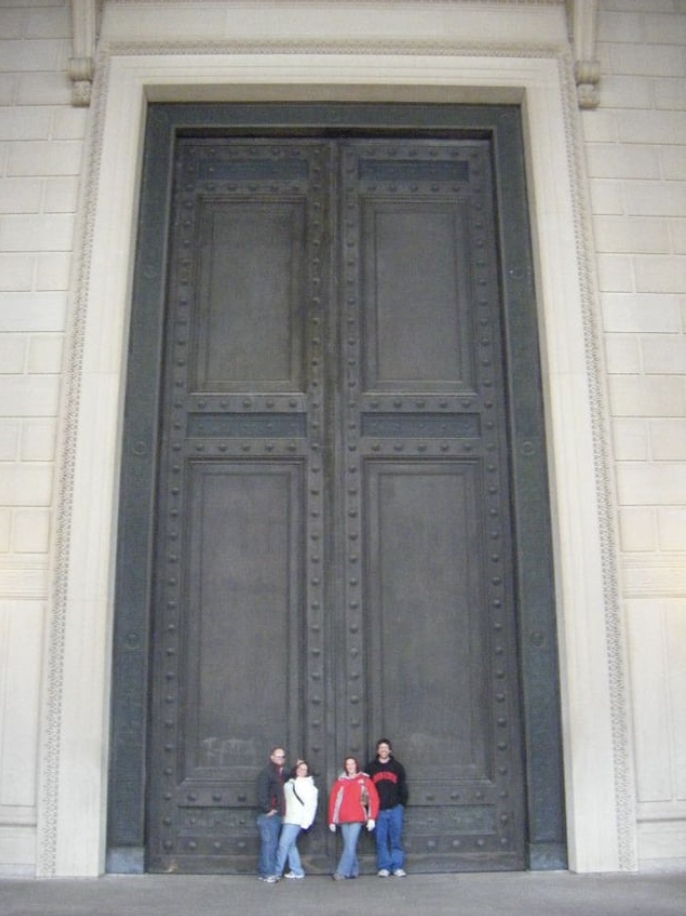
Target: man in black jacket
[
  {"x": 388, "y": 775},
  {"x": 270, "y": 802}
]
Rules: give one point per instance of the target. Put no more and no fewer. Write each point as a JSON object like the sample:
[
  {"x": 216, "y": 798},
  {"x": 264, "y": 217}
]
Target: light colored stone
[
  {"x": 53, "y": 271},
  {"x": 31, "y": 531},
  {"x": 38, "y": 440},
  {"x": 667, "y": 439},
  {"x": 16, "y": 272},
  {"x": 9, "y": 439},
  {"x": 644, "y": 314},
  {"x": 625, "y": 234},
  {"x": 37, "y": 312},
  {"x": 47, "y": 159},
  {"x": 20, "y": 195},
  {"x": 664, "y": 355},
  {"x": 612, "y": 161},
  {"x": 30, "y": 485},
  {"x": 45, "y": 354},
  {"x": 12, "y": 354},
  {"x": 637, "y": 529},
  {"x": 623, "y": 354},
  {"x": 660, "y": 274},
  {"x": 672, "y": 529},
  {"x": 652, "y": 485},
  {"x": 46, "y": 232},
  {"x": 630, "y": 439}
]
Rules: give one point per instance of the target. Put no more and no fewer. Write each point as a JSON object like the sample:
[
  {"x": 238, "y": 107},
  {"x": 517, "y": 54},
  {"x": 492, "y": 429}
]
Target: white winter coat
[{"x": 301, "y": 796}]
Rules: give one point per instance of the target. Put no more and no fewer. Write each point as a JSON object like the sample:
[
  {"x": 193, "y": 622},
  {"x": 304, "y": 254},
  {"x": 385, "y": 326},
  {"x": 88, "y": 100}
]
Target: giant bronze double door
[{"x": 333, "y": 549}]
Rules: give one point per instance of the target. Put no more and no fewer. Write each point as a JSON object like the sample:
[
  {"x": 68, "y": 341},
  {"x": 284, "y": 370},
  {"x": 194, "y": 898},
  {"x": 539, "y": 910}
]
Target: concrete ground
[{"x": 513, "y": 894}]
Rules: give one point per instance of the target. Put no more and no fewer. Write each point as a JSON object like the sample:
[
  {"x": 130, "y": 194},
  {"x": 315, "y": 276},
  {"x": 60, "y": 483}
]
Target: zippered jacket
[
  {"x": 270, "y": 789},
  {"x": 353, "y": 800},
  {"x": 301, "y": 796}
]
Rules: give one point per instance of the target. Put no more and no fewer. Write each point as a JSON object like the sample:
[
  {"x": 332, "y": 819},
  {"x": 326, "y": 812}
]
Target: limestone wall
[{"x": 636, "y": 153}]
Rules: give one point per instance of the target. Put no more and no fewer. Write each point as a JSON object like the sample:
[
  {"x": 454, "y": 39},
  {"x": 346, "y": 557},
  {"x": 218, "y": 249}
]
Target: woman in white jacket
[{"x": 300, "y": 795}]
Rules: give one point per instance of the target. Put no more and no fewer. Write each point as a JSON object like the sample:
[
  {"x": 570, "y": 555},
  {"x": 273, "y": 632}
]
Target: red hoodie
[{"x": 353, "y": 799}]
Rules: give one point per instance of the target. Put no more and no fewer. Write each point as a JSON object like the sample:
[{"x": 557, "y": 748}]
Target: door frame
[{"x": 601, "y": 829}]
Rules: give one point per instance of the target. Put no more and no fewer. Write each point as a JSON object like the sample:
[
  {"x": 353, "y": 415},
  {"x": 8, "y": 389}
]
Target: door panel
[
  {"x": 415, "y": 294},
  {"x": 254, "y": 558},
  {"x": 423, "y": 546},
  {"x": 249, "y": 294},
  {"x": 333, "y": 549}
]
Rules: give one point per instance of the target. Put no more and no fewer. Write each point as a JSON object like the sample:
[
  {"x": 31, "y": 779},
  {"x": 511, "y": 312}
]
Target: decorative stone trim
[
  {"x": 600, "y": 414},
  {"x": 582, "y": 14},
  {"x": 81, "y": 65},
  {"x": 584, "y": 21},
  {"x": 654, "y": 577}
]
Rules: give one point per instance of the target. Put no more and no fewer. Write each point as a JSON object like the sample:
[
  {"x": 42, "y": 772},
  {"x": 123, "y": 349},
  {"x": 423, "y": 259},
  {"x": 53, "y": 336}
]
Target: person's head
[
  {"x": 384, "y": 748},
  {"x": 278, "y": 755},
  {"x": 351, "y": 766},
  {"x": 301, "y": 768}
]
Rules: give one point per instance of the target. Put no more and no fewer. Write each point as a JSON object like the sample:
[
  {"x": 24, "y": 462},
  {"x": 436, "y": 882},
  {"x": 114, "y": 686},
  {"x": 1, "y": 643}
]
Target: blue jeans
[
  {"x": 388, "y": 835},
  {"x": 269, "y": 828},
  {"x": 348, "y": 866},
  {"x": 288, "y": 849}
]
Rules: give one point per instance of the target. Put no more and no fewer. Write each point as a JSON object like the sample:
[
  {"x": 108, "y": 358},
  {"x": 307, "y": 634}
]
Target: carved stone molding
[
  {"x": 583, "y": 17},
  {"x": 81, "y": 70}
]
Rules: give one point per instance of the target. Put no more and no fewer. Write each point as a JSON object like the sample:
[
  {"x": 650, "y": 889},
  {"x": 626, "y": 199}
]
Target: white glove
[
  {"x": 332, "y": 828},
  {"x": 371, "y": 824}
]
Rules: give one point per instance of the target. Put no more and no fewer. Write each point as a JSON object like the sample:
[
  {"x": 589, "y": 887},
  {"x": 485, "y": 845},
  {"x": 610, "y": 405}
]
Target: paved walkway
[{"x": 517, "y": 894}]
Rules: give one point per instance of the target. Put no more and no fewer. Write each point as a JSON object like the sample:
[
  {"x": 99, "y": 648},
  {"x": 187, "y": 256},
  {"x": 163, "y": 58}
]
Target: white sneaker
[
  {"x": 292, "y": 874},
  {"x": 383, "y": 873},
  {"x": 272, "y": 879},
  {"x": 400, "y": 873}
]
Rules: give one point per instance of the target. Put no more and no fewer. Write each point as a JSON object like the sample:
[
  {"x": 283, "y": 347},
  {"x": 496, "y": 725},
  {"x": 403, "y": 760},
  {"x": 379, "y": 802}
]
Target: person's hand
[
  {"x": 332, "y": 828},
  {"x": 371, "y": 824}
]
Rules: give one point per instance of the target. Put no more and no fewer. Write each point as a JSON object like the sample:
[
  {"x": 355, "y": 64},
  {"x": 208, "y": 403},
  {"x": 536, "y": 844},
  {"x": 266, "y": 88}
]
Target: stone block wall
[
  {"x": 636, "y": 154},
  {"x": 41, "y": 141}
]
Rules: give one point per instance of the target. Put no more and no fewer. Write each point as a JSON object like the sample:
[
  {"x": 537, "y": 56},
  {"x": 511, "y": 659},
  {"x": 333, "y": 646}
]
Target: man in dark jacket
[
  {"x": 270, "y": 802},
  {"x": 388, "y": 775}
]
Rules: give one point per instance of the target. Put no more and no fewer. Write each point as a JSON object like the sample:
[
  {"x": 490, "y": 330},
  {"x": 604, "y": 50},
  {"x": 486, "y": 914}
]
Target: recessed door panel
[
  {"x": 424, "y": 539},
  {"x": 249, "y": 292},
  {"x": 243, "y": 581},
  {"x": 417, "y": 328}
]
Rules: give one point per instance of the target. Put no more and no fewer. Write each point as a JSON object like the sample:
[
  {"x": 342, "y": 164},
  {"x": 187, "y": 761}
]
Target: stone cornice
[{"x": 582, "y": 17}]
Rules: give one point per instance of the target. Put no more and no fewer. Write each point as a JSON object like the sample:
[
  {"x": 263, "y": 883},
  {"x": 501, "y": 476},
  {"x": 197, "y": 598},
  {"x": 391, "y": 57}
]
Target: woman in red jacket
[{"x": 353, "y": 802}]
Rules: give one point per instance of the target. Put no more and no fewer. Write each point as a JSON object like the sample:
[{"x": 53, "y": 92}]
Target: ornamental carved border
[
  {"x": 52, "y": 734},
  {"x": 582, "y": 17}
]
